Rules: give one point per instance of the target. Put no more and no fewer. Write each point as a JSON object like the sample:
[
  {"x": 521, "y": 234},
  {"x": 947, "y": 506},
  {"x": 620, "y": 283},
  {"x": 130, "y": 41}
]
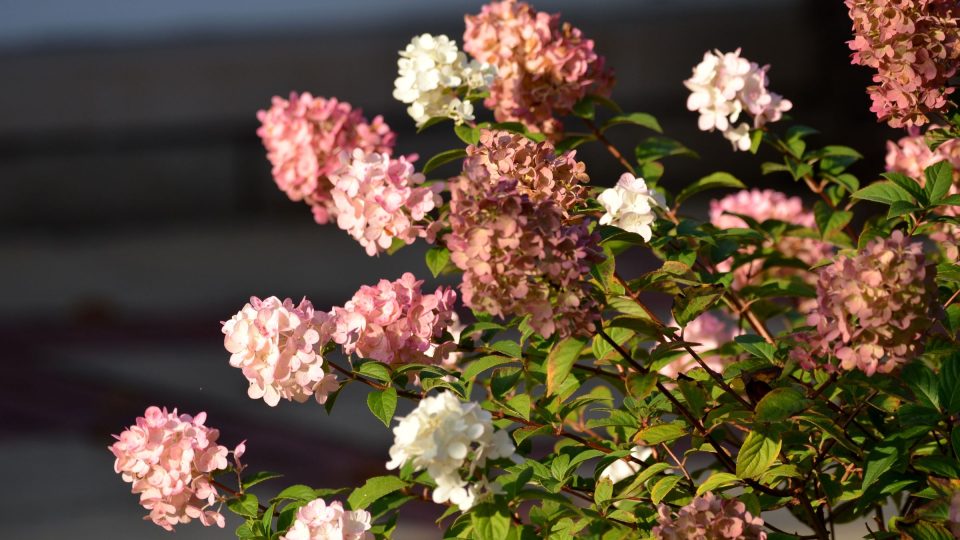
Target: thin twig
[{"x": 610, "y": 147}]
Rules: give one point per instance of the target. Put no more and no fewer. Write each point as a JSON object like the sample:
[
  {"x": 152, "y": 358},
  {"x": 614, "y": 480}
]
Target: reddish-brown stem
[
  {"x": 353, "y": 376},
  {"x": 951, "y": 299},
  {"x": 609, "y": 145},
  {"x": 234, "y": 492}
]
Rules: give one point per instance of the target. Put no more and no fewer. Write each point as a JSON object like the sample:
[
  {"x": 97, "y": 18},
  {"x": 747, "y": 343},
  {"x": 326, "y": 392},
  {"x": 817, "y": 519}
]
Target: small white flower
[
  {"x": 624, "y": 468},
  {"x": 630, "y": 205},
  {"x": 432, "y": 71},
  {"x": 442, "y": 436},
  {"x": 723, "y": 86}
]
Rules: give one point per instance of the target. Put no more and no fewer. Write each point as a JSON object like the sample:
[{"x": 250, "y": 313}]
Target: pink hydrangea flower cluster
[
  {"x": 394, "y": 322},
  {"x": 304, "y": 137},
  {"x": 519, "y": 256},
  {"x": 725, "y": 85},
  {"x": 915, "y": 47},
  {"x": 910, "y": 156},
  {"x": 277, "y": 346},
  {"x": 170, "y": 459},
  {"x": 710, "y": 332},
  {"x": 709, "y": 516},
  {"x": 763, "y": 205},
  {"x": 872, "y": 308},
  {"x": 540, "y": 173},
  {"x": 543, "y": 66},
  {"x": 318, "y": 520},
  {"x": 378, "y": 199}
]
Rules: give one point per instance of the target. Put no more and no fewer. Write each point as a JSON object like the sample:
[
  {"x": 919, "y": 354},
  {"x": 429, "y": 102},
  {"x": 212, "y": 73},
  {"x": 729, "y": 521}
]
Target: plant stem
[
  {"x": 610, "y": 147},
  {"x": 234, "y": 492}
]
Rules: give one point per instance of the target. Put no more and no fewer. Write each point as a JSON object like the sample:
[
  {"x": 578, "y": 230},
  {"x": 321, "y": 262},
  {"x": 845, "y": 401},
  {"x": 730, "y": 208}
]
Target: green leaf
[
  {"x": 662, "y": 433},
  {"x": 246, "y": 505},
  {"x": 925, "y": 530},
  {"x": 245, "y": 530},
  {"x": 375, "y": 370},
  {"x": 757, "y": 454},
  {"x": 756, "y": 137},
  {"x": 374, "y": 489},
  {"x": 490, "y": 522},
  {"x": 779, "y": 404},
  {"x": 883, "y": 192},
  {"x": 478, "y": 366},
  {"x": 297, "y": 492},
  {"x": 654, "y": 148},
  {"x": 950, "y": 384},
  {"x": 560, "y": 361},
  {"x": 692, "y": 301},
  {"x": 443, "y": 158},
  {"x": 437, "y": 259},
  {"x": 955, "y": 441},
  {"x": 880, "y": 459},
  {"x": 923, "y": 382},
  {"x": 830, "y": 220},
  {"x": 909, "y": 185},
  {"x": 712, "y": 181},
  {"x": 662, "y": 488},
  {"x": 585, "y": 108},
  {"x": 507, "y": 347},
  {"x": 383, "y": 403},
  {"x": 258, "y": 477},
  {"x": 603, "y": 493},
  {"x": 637, "y": 119},
  {"x": 520, "y": 404},
  {"x": 432, "y": 122},
  {"x": 467, "y": 134},
  {"x": 756, "y": 346},
  {"x": 939, "y": 179},
  {"x": 717, "y": 480}
]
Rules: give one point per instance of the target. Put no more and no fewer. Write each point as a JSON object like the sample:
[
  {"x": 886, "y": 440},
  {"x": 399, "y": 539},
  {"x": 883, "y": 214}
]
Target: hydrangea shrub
[{"x": 808, "y": 363}]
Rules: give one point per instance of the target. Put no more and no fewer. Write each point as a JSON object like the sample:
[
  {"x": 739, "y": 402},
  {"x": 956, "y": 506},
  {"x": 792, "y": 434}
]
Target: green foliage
[{"x": 765, "y": 424}]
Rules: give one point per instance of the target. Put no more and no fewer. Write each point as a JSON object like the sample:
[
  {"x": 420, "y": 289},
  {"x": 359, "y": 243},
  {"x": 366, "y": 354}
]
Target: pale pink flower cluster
[
  {"x": 544, "y": 67},
  {"x": 318, "y": 520},
  {"x": 910, "y": 156},
  {"x": 540, "y": 173},
  {"x": 724, "y": 86},
  {"x": 915, "y": 47},
  {"x": 170, "y": 459},
  {"x": 277, "y": 346},
  {"x": 377, "y": 200},
  {"x": 304, "y": 137},
  {"x": 763, "y": 205},
  {"x": 394, "y": 322},
  {"x": 709, "y": 332},
  {"x": 709, "y": 516},
  {"x": 518, "y": 256},
  {"x": 872, "y": 308}
]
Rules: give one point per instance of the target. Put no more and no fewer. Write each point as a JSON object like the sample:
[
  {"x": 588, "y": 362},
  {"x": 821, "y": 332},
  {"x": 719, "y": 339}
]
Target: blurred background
[{"x": 138, "y": 210}]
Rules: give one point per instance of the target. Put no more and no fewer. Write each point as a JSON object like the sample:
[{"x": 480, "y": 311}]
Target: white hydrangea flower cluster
[
  {"x": 624, "y": 468},
  {"x": 631, "y": 206},
  {"x": 442, "y": 435},
  {"x": 318, "y": 520},
  {"x": 723, "y": 86},
  {"x": 431, "y": 71}
]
